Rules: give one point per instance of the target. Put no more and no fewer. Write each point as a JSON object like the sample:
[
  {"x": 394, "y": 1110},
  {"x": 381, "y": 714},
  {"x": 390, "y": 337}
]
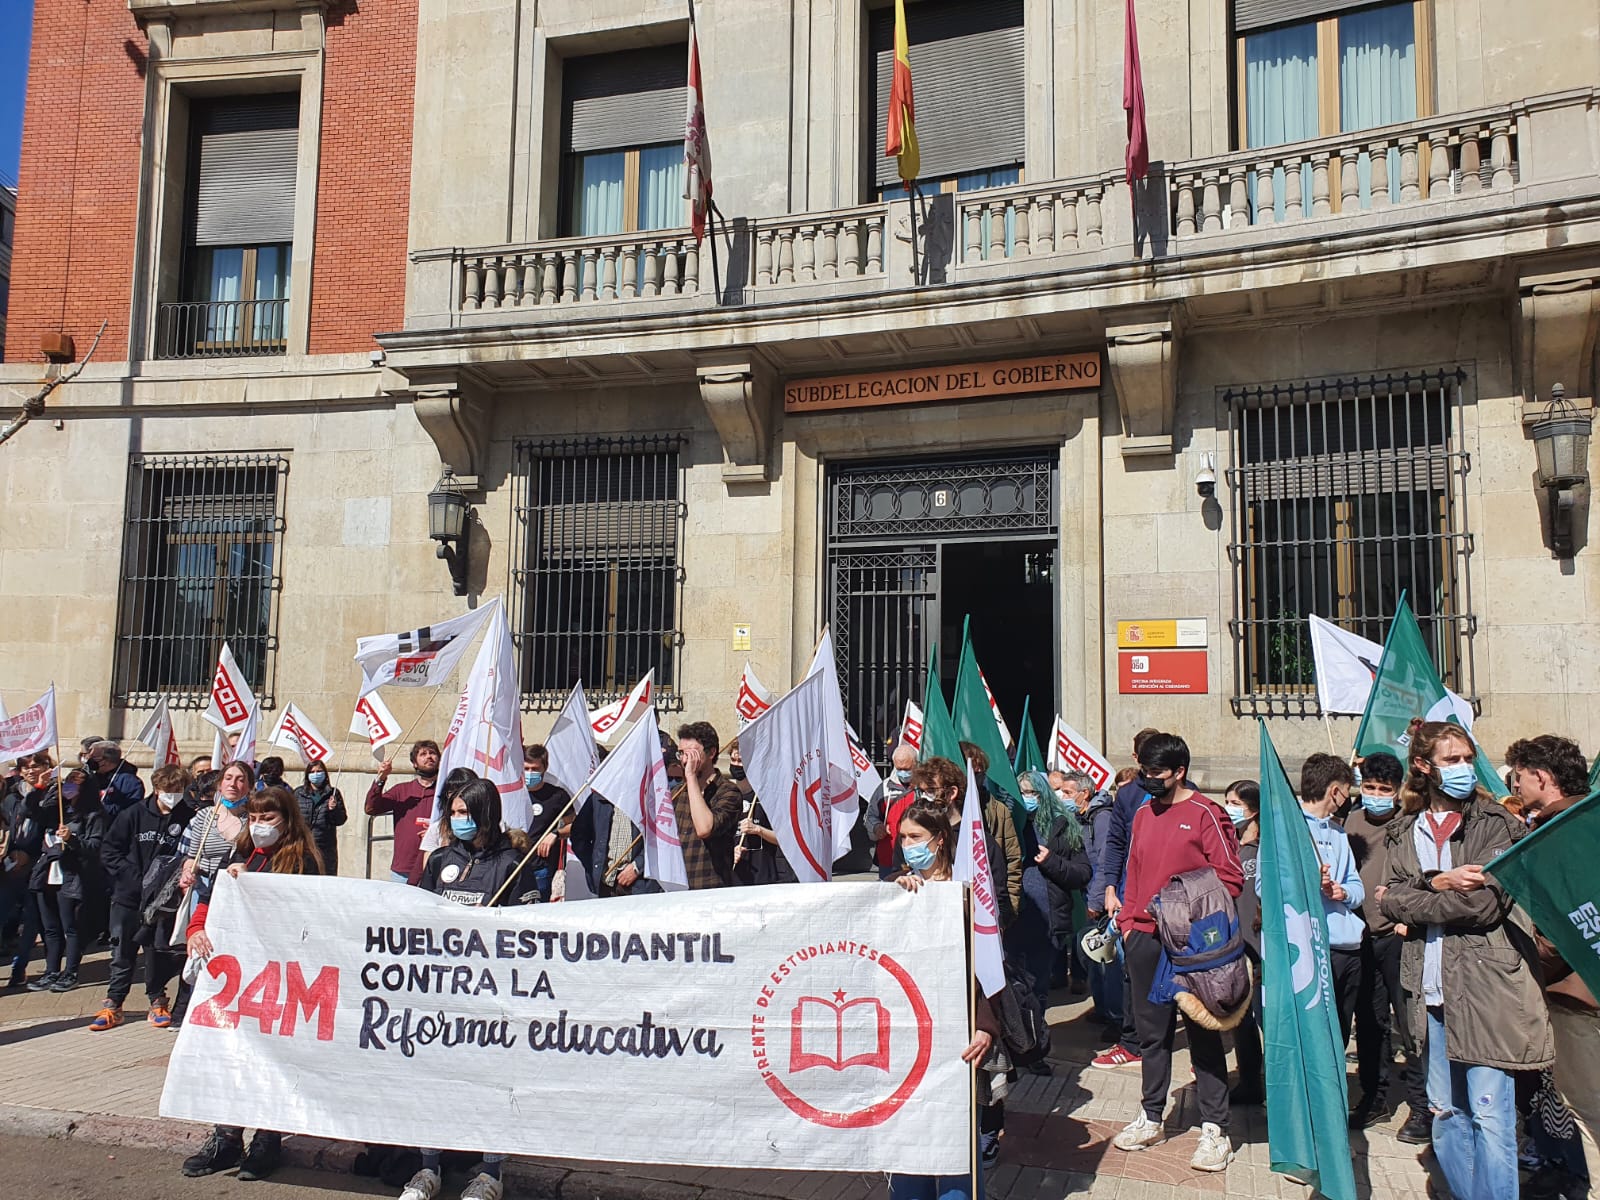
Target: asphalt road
[{"x": 56, "y": 1169}]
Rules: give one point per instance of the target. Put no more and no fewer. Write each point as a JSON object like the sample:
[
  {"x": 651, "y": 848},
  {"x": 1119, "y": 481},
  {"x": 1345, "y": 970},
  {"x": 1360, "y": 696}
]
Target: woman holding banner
[
  {"x": 480, "y": 865},
  {"x": 928, "y": 845},
  {"x": 274, "y": 837}
]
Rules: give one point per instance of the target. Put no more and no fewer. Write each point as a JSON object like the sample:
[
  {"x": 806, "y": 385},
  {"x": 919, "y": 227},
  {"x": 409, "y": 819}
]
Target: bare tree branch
[{"x": 33, "y": 406}]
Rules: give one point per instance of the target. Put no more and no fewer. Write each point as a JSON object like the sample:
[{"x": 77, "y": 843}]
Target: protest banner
[
  {"x": 814, "y": 1027},
  {"x": 232, "y": 701},
  {"x": 373, "y": 718},
  {"x": 1071, "y": 751},
  {"x": 294, "y": 731},
  {"x": 31, "y": 730}
]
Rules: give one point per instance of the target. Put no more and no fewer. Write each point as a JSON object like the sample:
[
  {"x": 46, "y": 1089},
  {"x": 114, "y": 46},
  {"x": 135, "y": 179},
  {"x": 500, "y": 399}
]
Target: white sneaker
[
  {"x": 1215, "y": 1152},
  {"x": 1140, "y": 1134},
  {"x": 424, "y": 1185},
  {"x": 483, "y": 1187}
]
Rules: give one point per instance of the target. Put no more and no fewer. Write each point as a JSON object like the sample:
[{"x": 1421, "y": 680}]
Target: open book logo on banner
[
  {"x": 860, "y": 1036},
  {"x": 876, "y": 1044}
]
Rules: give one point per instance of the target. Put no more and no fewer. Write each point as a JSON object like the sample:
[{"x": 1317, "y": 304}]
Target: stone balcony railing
[
  {"x": 1394, "y": 165},
  {"x": 1309, "y": 197}
]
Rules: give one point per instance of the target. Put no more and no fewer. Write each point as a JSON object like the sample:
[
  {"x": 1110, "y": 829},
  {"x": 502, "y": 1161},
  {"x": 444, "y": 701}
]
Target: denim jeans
[
  {"x": 936, "y": 1187},
  {"x": 1105, "y": 985},
  {"x": 1474, "y": 1121}
]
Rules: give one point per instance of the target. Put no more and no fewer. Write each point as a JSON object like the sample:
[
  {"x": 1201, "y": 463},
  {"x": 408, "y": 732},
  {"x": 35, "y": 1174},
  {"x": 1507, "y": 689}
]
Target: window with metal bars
[
  {"x": 596, "y": 578},
  {"x": 200, "y": 557},
  {"x": 1346, "y": 494}
]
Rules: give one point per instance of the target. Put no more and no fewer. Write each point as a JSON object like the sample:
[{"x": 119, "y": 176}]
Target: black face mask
[
  {"x": 736, "y": 774},
  {"x": 1157, "y": 788}
]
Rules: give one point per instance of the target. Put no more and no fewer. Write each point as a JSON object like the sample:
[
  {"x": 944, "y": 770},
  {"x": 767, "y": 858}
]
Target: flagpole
[
  {"x": 712, "y": 213},
  {"x": 628, "y": 853},
  {"x": 972, "y": 1035},
  {"x": 406, "y": 736},
  {"x": 61, "y": 807}
]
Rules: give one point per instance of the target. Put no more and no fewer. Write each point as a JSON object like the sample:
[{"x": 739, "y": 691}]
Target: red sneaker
[{"x": 1118, "y": 1056}]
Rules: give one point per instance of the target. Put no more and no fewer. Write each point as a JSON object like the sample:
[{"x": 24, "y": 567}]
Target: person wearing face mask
[
  {"x": 273, "y": 836},
  {"x": 322, "y": 805},
  {"x": 137, "y": 837},
  {"x": 67, "y": 876},
  {"x": 1242, "y": 802},
  {"x": 552, "y": 819},
  {"x": 1055, "y": 870},
  {"x": 1104, "y": 979},
  {"x": 476, "y": 864},
  {"x": 927, "y": 831},
  {"x": 24, "y": 817},
  {"x": 411, "y": 806},
  {"x": 1178, "y": 830},
  {"x": 1379, "y": 1017},
  {"x": 886, "y": 808},
  {"x": 1468, "y": 970}
]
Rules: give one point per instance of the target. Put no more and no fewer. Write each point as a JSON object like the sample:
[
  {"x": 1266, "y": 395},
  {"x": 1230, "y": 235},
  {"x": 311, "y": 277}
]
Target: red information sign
[{"x": 1162, "y": 671}]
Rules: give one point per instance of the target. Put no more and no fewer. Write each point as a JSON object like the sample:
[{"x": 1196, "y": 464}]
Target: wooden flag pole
[
  {"x": 406, "y": 736},
  {"x": 61, "y": 806},
  {"x": 626, "y": 854}
]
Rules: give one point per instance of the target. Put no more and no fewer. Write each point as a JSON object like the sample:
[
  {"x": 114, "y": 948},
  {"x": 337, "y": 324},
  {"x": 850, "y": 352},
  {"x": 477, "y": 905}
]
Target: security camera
[
  {"x": 376, "y": 358},
  {"x": 1206, "y": 481}
]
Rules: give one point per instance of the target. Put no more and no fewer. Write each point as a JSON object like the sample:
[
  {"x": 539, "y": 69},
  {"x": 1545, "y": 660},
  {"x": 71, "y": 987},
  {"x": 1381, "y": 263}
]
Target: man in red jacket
[
  {"x": 1178, "y": 830},
  {"x": 411, "y": 805}
]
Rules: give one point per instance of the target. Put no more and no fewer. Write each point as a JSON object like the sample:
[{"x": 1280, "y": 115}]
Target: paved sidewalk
[{"x": 61, "y": 1080}]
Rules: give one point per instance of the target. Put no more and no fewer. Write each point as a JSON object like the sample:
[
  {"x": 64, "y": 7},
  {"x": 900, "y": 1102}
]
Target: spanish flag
[{"x": 901, "y": 140}]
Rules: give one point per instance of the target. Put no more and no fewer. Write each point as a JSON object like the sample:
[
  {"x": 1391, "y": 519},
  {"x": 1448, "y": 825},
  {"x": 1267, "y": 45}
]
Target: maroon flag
[
  {"x": 1138, "y": 164},
  {"x": 696, "y": 146}
]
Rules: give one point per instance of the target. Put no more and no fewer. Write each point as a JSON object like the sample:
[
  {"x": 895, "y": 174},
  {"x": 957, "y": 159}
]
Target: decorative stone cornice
[
  {"x": 739, "y": 391},
  {"x": 1557, "y": 332},
  {"x": 455, "y": 411},
  {"x": 1142, "y": 350}
]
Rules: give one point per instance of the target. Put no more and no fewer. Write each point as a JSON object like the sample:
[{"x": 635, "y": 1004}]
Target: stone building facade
[{"x": 1367, "y": 249}]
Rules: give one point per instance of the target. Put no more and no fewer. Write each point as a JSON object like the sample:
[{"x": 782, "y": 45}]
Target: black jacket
[
  {"x": 324, "y": 821},
  {"x": 136, "y": 837},
  {"x": 25, "y": 836},
  {"x": 459, "y": 872},
  {"x": 547, "y": 802},
  {"x": 79, "y": 858},
  {"x": 1065, "y": 871},
  {"x": 763, "y": 861},
  {"x": 591, "y": 841}
]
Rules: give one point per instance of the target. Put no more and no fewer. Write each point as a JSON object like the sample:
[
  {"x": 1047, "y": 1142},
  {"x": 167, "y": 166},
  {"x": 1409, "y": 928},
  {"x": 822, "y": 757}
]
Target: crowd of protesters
[{"x": 1457, "y": 1007}]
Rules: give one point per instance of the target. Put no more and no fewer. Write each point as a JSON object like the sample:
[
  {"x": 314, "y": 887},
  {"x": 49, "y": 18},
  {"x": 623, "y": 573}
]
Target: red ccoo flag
[
  {"x": 1138, "y": 163},
  {"x": 696, "y": 146}
]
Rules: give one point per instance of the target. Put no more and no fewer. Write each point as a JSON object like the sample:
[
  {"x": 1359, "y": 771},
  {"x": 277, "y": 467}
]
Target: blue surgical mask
[
  {"x": 465, "y": 828},
  {"x": 1030, "y": 801},
  {"x": 901, "y": 775},
  {"x": 1458, "y": 780},
  {"x": 1378, "y": 806},
  {"x": 318, "y": 778},
  {"x": 918, "y": 855},
  {"x": 533, "y": 778},
  {"x": 233, "y": 805},
  {"x": 1238, "y": 814}
]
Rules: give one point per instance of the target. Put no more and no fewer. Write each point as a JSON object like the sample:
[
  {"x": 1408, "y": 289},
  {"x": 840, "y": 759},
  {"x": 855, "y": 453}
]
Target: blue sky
[{"x": 16, "y": 28}]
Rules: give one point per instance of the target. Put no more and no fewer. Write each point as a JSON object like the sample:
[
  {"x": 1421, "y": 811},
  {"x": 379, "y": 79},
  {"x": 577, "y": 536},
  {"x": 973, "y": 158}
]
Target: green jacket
[{"x": 1493, "y": 996}]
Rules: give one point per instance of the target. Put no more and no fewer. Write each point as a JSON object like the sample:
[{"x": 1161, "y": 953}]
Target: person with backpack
[
  {"x": 141, "y": 838},
  {"x": 928, "y": 846},
  {"x": 477, "y": 864}
]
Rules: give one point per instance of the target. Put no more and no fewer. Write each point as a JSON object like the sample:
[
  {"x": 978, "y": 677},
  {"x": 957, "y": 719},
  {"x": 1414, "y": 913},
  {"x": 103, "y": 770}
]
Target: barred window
[
  {"x": 200, "y": 557},
  {"x": 596, "y": 582},
  {"x": 1347, "y": 493}
]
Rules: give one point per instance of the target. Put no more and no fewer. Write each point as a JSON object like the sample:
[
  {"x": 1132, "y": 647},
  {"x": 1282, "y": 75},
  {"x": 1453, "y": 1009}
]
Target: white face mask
[
  {"x": 167, "y": 801},
  {"x": 265, "y": 835}
]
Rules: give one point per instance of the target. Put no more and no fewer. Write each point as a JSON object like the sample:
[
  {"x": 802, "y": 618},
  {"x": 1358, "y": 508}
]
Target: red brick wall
[
  {"x": 358, "y": 278},
  {"x": 78, "y": 187}
]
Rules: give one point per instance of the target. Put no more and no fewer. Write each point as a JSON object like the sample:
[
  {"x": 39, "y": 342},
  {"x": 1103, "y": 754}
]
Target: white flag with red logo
[
  {"x": 294, "y": 731},
  {"x": 571, "y": 745},
  {"x": 419, "y": 657},
  {"x": 373, "y": 720},
  {"x": 1005, "y": 733},
  {"x": 158, "y": 735},
  {"x": 1071, "y": 751},
  {"x": 785, "y": 759},
  {"x": 486, "y": 733},
  {"x": 753, "y": 698},
  {"x": 243, "y": 747},
  {"x": 606, "y": 721},
  {"x": 841, "y": 763},
  {"x": 911, "y": 727},
  {"x": 232, "y": 701},
  {"x": 31, "y": 730},
  {"x": 868, "y": 781},
  {"x": 634, "y": 779},
  {"x": 972, "y": 867}
]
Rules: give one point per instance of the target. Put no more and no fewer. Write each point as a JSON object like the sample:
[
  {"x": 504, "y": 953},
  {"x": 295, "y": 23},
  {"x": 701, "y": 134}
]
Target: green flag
[
  {"x": 1594, "y": 774},
  {"x": 939, "y": 738},
  {"x": 1550, "y": 874},
  {"x": 1408, "y": 686},
  {"x": 1028, "y": 757},
  {"x": 974, "y": 720},
  {"x": 1307, "y": 1097}
]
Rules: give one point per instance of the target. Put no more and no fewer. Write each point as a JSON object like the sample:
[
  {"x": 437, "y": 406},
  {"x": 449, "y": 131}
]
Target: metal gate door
[{"x": 886, "y": 524}]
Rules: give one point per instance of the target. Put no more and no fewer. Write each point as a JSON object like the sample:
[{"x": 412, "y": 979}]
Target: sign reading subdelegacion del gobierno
[{"x": 927, "y": 385}]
